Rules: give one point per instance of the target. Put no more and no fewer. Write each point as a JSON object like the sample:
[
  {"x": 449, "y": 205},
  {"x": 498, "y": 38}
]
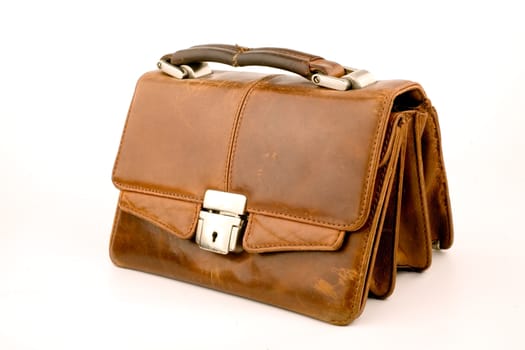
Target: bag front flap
[{"x": 305, "y": 157}]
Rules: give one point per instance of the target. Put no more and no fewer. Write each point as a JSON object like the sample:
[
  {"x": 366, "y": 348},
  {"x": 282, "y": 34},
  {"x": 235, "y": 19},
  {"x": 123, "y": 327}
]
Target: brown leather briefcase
[{"x": 306, "y": 194}]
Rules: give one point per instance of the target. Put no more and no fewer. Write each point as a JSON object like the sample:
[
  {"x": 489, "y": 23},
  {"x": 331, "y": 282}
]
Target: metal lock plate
[{"x": 220, "y": 222}]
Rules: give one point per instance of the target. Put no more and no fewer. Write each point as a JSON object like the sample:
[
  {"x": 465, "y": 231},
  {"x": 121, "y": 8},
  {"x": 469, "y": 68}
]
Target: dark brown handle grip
[{"x": 294, "y": 61}]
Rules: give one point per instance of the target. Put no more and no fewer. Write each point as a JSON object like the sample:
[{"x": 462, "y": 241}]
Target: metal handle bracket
[
  {"x": 184, "y": 71},
  {"x": 353, "y": 79}
]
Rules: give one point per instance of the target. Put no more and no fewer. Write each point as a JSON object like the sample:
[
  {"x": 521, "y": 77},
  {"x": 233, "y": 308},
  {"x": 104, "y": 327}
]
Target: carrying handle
[
  {"x": 190, "y": 63},
  {"x": 237, "y": 56}
]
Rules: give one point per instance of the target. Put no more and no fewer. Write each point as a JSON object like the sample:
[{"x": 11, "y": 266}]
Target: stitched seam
[
  {"x": 442, "y": 189},
  {"x": 371, "y": 158},
  {"x": 299, "y": 218},
  {"x": 249, "y": 231},
  {"x": 234, "y": 59},
  {"x": 388, "y": 142},
  {"x": 147, "y": 190},
  {"x": 297, "y": 244},
  {"x": 239, "y": 51},
  {"x": 234, "y": 136},
  {"x": 386, "y": 148},
  {"x": 356, "y": 297},
  {"x": 421, "y": 183},
  {"x": 235, "y": 129},
  {"x": 291, "y": 245},
  {"x": 160, "y": 222}
]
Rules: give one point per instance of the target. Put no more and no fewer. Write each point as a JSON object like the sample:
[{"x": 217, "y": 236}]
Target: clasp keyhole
[{"x": 214, "y": 236}]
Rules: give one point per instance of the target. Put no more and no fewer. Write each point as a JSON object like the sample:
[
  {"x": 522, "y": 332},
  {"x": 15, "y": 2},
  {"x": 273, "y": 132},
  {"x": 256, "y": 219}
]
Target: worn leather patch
[
  {"x": 175, "y": 216},
  {"x": 267, "y": 234}
]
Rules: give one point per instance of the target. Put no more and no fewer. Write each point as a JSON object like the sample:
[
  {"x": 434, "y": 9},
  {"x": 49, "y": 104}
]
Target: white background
[{"x": 67, "y": 74}]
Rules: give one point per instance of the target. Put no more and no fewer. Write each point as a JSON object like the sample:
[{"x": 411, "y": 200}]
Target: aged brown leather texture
[{"x": 342, "y": 187}]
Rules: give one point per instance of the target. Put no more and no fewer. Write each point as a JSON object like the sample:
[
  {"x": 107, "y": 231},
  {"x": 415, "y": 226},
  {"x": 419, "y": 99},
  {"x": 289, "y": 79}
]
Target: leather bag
[{"x": 303, "y": 191}]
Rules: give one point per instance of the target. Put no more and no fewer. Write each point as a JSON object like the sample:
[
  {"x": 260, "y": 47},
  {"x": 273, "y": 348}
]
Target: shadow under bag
[{"x": 306, "y": 195}]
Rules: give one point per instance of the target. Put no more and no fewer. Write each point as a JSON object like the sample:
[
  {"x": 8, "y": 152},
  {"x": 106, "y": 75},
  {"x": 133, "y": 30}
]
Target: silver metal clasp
[
  {"x": 221, "y": 221},
  {"x": 184, "y": 71},
  {"x": 353, "y": 79}
]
